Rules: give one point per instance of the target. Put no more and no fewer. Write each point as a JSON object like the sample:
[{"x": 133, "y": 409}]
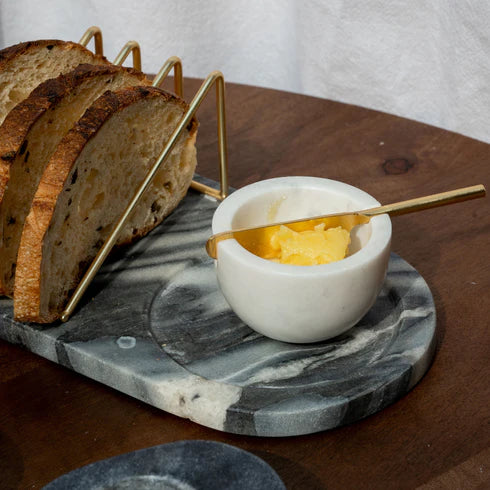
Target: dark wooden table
[{"x": 53, "y": 420}]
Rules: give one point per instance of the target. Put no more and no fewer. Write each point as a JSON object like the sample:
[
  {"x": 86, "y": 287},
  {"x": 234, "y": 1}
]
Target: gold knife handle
[{"x": 428, "y": 202}]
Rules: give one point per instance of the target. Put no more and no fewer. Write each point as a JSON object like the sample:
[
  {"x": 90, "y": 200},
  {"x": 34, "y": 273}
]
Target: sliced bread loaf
[
  {"x": 24, "y": 66},
  {"x": 87, "y": 184},
  {"x": 28, "y": 137}
]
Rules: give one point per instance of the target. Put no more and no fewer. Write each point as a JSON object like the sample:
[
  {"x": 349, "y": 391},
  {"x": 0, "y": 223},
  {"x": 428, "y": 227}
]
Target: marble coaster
[
  {"x": 154, "y": 325},
  {"x": 182, "y": 465}
]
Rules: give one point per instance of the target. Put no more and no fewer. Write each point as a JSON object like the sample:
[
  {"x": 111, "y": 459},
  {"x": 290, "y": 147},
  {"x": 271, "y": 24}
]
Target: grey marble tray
[{"x": 154, "y": 325}]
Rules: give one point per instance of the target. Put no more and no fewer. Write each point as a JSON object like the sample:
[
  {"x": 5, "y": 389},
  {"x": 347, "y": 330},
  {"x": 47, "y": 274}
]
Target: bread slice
[
  {"x": 24, "y": 66},
  {"x": 28, "y": 137},
  {"x": 87, "y": 184}
]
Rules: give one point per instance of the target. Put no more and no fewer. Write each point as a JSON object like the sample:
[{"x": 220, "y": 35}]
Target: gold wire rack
[{"x": 173, "y": 63}]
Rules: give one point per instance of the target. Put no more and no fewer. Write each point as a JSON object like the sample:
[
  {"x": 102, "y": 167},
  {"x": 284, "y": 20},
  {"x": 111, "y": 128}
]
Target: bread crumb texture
[{"x": 24, "y": 66}]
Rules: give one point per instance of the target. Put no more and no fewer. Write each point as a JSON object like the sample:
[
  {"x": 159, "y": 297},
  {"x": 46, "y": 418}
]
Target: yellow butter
[{"x": 309, "y": 247}]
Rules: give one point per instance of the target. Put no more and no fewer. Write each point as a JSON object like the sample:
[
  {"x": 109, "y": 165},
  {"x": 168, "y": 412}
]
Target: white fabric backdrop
[{"x": 428, "y": 60}]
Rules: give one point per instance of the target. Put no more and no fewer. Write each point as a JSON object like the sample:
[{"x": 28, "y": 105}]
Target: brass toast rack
[{"x": 173, "y": 63}]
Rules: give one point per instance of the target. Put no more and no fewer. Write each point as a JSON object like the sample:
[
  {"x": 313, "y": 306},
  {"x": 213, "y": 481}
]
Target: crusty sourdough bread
[
  {"x": 28, "y": 137},
  {"x": 24, "y": 66},
  {"x": 87, "y": 184}
]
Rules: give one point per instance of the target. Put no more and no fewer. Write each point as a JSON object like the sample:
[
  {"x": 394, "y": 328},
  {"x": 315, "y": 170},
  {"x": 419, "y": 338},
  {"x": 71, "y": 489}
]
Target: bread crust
[
  {"x": 27, "y": 293},
  {"x": 11, "y": 52}
]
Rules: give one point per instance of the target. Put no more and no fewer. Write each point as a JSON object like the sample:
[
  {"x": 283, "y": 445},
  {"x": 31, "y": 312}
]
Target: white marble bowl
[{"x": 300, "y": 303}]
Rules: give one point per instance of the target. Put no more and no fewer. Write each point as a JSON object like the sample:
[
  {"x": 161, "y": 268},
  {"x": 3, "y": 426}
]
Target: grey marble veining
[{"x": 154, "y": 325}]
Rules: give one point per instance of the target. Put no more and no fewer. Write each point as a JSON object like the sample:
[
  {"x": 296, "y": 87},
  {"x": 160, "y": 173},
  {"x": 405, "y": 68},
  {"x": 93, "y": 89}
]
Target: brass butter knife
[{"x": 250, "y": 238}]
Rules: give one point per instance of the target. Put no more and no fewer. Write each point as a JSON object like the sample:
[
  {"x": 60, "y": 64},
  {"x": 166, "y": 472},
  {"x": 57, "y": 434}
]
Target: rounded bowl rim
[{"x": 380, "y": 227}]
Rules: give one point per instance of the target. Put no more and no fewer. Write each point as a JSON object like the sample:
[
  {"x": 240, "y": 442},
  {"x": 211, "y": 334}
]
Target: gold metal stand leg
[
  {"x": 176, "y": 63},
  {"x": 96, "y": 33},
  {"x": 130, "y": 46},
  {"x": 217, "y": 77},
  {"x": 214, "y": 77}
]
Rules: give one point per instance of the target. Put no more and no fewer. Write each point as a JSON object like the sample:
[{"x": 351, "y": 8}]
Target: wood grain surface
[{"x": 53, "y": 420}]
